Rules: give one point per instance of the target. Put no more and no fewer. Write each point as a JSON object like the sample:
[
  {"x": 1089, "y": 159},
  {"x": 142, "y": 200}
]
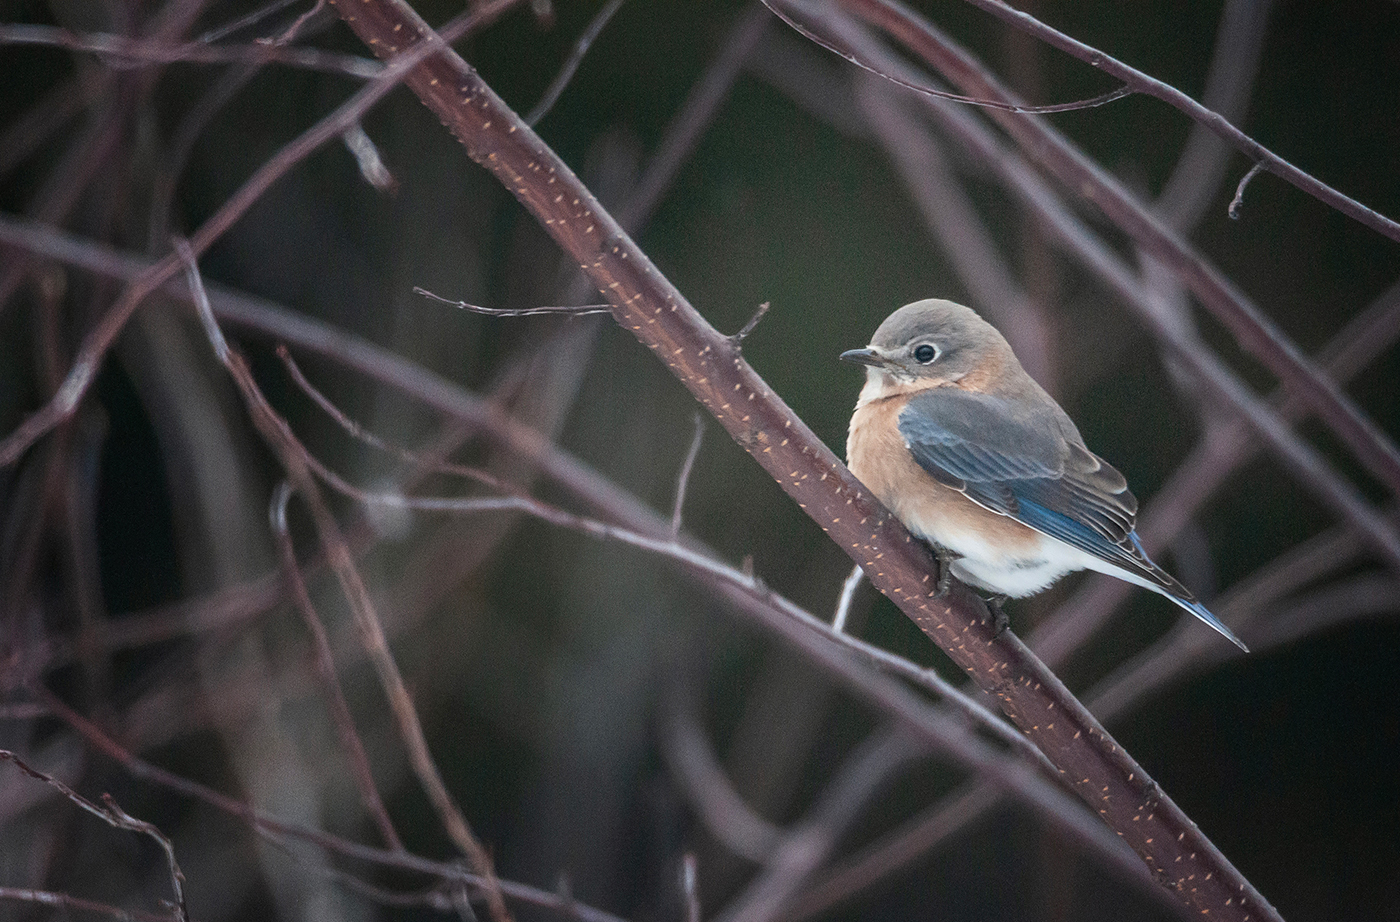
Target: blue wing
[{"x": 1027, "y": 462}]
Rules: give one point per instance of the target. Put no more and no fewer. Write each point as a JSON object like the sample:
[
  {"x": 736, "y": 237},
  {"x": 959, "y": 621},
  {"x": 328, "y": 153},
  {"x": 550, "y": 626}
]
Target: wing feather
[{"x": 1026, "y": 461}]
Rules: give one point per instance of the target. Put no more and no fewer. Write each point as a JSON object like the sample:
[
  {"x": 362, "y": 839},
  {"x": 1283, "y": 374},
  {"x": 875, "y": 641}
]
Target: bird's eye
[{"x": 925, "y": 353}]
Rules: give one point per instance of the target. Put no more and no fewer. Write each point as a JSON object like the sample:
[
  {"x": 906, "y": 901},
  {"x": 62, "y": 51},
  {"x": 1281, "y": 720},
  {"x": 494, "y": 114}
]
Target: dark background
[{"x": 546, "y": 666}]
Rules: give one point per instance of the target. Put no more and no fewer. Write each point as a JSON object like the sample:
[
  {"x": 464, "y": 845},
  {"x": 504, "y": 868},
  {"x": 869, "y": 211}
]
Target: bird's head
[{"x": 931, "y": 343}]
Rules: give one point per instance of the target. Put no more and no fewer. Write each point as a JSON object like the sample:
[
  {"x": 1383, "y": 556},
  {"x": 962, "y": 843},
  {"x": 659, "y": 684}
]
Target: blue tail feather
[{"x": 1200, "y": 611}]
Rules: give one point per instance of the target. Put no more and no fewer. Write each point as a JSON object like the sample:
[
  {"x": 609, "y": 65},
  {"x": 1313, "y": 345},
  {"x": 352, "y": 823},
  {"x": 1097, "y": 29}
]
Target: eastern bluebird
[{"x": 977, "y": 459}]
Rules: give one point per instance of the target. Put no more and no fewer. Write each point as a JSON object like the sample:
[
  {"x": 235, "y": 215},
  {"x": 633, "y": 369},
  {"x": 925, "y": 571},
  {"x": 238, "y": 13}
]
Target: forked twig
[{"x": 115, "y": 816}]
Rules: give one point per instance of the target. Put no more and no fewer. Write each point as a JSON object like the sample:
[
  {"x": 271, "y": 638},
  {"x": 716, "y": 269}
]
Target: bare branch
[
  {"x": 806, "y": 847},
  {"x": 115, "y": 816},
  {"x": 683, "y": 478},
  {"x": 325, "y": 671},
  {"x": 738, "y": 338},
  {"x": 100, "y": 338},
  {"x": 121, "y": 52},
  {"x": 566, "y": 73},
  {"x": 1142, "y": 83},
  {"x": 274, "y": 830},
  {"x": 692, "y": 762},
  {"x": 1237, "y": 202},
  {"x": 568, "y": 310},
  {"x": 838, "y": 48}
]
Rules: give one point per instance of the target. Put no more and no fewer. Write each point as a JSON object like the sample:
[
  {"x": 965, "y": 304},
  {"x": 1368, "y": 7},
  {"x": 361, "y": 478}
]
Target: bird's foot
[
  {"x": 1000, "y": 622},
  {"x": 945, "y": 559}
]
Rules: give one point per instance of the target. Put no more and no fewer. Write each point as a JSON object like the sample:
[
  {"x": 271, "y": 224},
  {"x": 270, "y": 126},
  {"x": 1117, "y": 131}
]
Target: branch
[
  {"x": 1151, "y": 86},
  {"x": 118, "y": 818}
]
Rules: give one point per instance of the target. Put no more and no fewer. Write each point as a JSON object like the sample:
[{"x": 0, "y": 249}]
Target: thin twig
[
  {"x": 924, "y": 89},
  {"x": 373, "y": 169},
  {"x": 566, "y": 73},
  {"x": 683, "y": 478},
  {"x": 848, "y": 593},
  {"x": 324, "y": 662},
  {"x": 251, "y": 19},
  {"x": 115, "y": 816},
  {"x": 737, "y": 339},
  {"x": 574, "y": 310},
  {"x": 1237, "y": 202},
  {"x": 360, "y": 433}
]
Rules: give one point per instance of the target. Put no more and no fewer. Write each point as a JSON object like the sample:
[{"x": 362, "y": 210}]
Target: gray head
[{"x": 934, "y": 342}]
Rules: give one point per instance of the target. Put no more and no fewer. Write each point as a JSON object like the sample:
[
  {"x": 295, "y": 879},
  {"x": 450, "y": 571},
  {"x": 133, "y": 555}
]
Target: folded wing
[{"x": 1028, "y": 463}]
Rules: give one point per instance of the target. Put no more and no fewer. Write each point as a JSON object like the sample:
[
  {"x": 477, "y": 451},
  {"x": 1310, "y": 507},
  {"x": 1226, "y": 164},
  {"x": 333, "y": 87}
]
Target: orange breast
[{"x": 878, "y": 457}]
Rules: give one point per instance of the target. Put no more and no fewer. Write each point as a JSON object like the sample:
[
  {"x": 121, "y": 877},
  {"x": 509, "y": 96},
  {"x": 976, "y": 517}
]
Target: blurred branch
[
  {"x": 566, "y": 73},
  {"x": 806, "y": 847},
  {"x": 275, "y": 830},
  {"x": 293, "y": 457},
  {"x": 1234, "y": 64},
  {"x": 104, "y": 333},
  {"x": 64, "y": 901},
  {"x": 325, "y": 671},
  {"x": 120, "y": 52},
  {"x": 710, "y": 794}
]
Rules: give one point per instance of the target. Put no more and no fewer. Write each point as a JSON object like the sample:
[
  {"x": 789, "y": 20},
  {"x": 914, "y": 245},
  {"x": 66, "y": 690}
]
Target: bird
[{"x": 954, "y": 437}]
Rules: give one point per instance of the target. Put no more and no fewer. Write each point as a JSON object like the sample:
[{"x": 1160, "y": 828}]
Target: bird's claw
[
  {"x": 945, "y": 571},
  {"x": 1000, "y": 622}
]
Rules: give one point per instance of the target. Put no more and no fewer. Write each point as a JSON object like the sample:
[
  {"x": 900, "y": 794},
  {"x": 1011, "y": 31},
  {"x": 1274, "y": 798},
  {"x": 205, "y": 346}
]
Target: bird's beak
[{"x": 864, "y": 357}]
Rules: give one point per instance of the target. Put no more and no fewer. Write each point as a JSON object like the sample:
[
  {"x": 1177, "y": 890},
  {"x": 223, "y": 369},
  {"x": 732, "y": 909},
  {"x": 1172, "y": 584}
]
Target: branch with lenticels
[{"x": 711, "y": 366}]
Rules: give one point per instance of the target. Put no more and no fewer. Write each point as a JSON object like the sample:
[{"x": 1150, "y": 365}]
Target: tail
[
  {"x": 1200, "y": 611},
  {"x": 1160, "y": 581}
]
